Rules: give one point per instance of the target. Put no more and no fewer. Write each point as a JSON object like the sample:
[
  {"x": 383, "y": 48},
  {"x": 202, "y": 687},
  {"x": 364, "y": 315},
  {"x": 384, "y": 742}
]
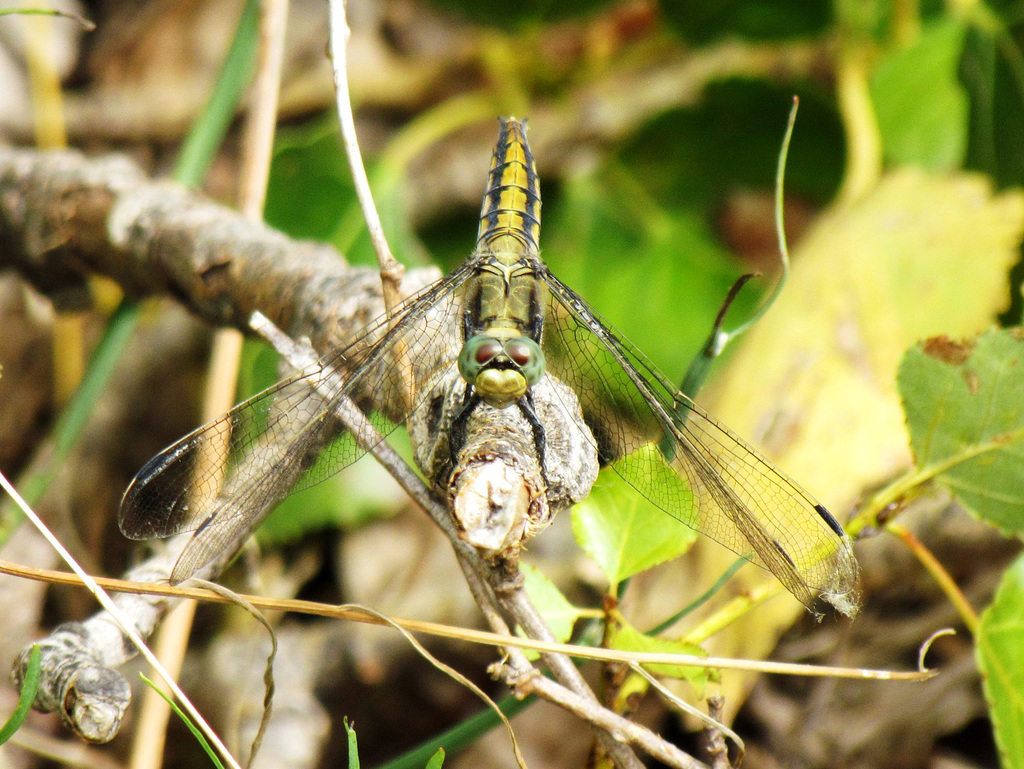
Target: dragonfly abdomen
[{"x": 510, "y": 216}]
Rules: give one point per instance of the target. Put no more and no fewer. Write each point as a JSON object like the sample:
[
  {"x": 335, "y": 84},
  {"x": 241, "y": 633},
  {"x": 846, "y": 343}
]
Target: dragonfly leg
[
  {"x": 539, "y": 440},
  {"x": 457, "y": 432}
]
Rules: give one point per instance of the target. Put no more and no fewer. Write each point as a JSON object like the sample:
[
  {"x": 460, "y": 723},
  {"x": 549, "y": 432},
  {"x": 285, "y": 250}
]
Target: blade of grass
[
  {"x": 719, "y": 338},
  {"x": 29, "y": 687},
  {"x": 464, "y": 733},
  {"x": 185, "y": 720},
  {"x": 202, "y": 142},
  {"x": 83, "y": 22},
  {"x": 700, "y": 601},
  {"x": 353, "y": 745}
]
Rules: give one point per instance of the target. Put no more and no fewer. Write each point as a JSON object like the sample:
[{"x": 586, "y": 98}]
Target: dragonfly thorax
[{"x": 501, "y": 369}]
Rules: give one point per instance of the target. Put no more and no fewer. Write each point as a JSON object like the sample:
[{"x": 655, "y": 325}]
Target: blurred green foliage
[
  {"x": 921, "y": 106},
  {"x": 310, "y": 187},
  {"x": 522, "y": 14},
  {"x": 693, "y": 158},
  {"x": 701, "y": 22}
]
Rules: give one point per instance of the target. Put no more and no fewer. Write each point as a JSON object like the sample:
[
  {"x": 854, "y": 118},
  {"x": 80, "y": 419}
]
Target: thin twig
[
  {"x": 939, "y": 573},
  {"x": 390, "y": 270},
  {"x": 717, "y": 748},
  {"x": 477, "y": 636},
  {"x": 576, "y": 690},
  {"x": 712, "y": 719},
  {"x": 618, "y": 727},
  {"x": 261, "y": 120}
]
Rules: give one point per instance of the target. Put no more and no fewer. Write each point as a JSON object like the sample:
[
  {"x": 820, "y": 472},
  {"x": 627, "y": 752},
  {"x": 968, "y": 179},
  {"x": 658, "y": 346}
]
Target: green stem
[
  {"x": 863, "y": 138},
  {"x": 906, "y": 485},
  {"x": 939, "y": 573}
]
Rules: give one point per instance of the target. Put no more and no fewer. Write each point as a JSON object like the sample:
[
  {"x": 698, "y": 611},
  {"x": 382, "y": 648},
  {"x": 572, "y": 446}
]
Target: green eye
[
  {"x": 480, "y": 350},
  {"x": 477, "y": 353},
  {"x": 528, "y": 356}
]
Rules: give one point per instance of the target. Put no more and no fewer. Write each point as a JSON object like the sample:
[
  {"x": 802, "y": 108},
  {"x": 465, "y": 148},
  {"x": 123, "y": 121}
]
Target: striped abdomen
[{"x": 510, "y": 217}]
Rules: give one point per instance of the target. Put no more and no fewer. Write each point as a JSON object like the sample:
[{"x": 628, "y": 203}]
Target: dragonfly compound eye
[
  {"x": 528, "y": 356},
  {"x": 476, "y": 354},
  {"x": 487, "y": 351}
]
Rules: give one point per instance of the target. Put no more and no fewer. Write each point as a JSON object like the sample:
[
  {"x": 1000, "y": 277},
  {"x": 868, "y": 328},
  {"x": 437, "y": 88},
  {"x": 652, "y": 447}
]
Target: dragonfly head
[{"x": 501, "y": 371}]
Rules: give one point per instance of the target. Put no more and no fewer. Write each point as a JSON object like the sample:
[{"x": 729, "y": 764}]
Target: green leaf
[
  {"x": 623, "y": 531},
  {"x": 559, "y": 614},
  {"x": 310, "y": 194},
  {"x": 868, "y": 282},
  {"x": 310, "y": 187},
  {"x": 921, "y": 106},
  {"x": 437, "y": 760},
  {"x": 628, "y": 638},
  {"x": 1001, "y": 660},
  {"x": 966, "y": 420},
  {"x": 29, "y": 687}
]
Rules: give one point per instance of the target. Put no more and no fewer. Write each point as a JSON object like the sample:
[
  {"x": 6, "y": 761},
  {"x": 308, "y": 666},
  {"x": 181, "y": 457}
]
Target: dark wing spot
[{"x": 826, "y": 516}]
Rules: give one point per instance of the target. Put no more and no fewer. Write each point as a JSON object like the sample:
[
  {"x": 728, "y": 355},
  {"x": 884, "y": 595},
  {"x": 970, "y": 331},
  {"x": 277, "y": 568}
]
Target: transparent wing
[
  {"x": 228, "y": 473},
  {"x": 688, "y": 464}
]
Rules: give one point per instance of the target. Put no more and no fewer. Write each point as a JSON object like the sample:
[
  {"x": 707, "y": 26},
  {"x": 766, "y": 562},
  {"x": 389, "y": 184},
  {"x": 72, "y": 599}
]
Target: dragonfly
[{"x": 496, "y": 331}]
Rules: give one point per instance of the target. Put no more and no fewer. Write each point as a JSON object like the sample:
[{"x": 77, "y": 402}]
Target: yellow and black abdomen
[{"x": 510, "y": 217}]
